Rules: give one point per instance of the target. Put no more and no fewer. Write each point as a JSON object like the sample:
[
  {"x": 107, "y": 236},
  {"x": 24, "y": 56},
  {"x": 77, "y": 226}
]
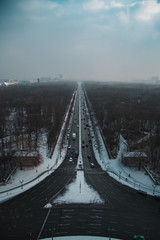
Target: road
[{"x": 124, "y": 212}]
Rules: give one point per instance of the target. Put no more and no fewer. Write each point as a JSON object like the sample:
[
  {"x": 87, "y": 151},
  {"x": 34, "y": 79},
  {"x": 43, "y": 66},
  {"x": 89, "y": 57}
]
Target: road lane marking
[
  {"x": 64, "y": 224},
  {"x": 68, "y": 210},
  {"x": 98, "y": 211},
  {"x": 129, "y": 225},
  {"x": 99, "y": 217},
  {"x": 66, "y": 217},
  {"x": 44, "y": 223}
]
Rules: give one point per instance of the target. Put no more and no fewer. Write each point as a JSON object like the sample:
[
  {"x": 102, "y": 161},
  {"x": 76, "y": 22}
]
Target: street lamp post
[
  {"x": 153, "y": 188},
  {"x": 53, "y": 232},
  {"x": 21, "y": 181},
  {"x": 48, "y": 168}
]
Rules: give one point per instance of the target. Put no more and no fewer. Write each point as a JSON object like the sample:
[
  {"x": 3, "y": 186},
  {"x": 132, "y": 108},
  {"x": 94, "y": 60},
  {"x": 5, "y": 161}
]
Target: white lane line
[
  {"x": 80, "y": 159},
  {"x": 95, "y": 224},
  {"x": 68, "y": 210},
  {"x": 66, "y": 217},
  {"x": 129, "y": 225},
  {"x": 64, "y": 224},
  {"x": 97, "y": 217},
  {"x": 97, "y": 210},
  {"x": 43, "y": 224}
]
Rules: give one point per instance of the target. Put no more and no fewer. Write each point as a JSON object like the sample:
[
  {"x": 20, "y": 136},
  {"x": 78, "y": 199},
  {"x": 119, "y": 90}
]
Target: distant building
[
  {"x": 135, "y": 159},
  {"x": 60, "y": 76},
  {"x": 155, "y": 79},
  {"x": 45, "y": 79},
  {"x": 10, "y": 82},
  {"x": 26, "y": 158}
]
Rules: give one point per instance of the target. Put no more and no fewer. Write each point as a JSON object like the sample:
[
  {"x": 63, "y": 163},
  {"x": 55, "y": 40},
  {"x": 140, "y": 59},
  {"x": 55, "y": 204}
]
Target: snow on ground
[
  {"x": 30, "y": 176},
  {"x": 24, "y": 179},
  {"x": 130, "y": 176},
  {"x": 81, "y": 238},
  {"x": 138, "y": 180},
  {"x": 78, "y": 191}
]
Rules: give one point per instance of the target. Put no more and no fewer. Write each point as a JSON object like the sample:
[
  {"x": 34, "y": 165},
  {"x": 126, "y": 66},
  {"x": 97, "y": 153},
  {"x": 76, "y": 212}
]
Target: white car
[
  {"x": 92, "y": 165},
  {"x": 70, "y": 159}
]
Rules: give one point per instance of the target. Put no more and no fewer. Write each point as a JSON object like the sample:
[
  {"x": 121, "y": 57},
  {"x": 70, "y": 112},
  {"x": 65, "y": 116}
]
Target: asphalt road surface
[{"x": 123, "y": 213}]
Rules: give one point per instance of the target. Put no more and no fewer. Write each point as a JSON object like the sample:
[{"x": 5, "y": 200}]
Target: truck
[{"x": 73, "y": 136}]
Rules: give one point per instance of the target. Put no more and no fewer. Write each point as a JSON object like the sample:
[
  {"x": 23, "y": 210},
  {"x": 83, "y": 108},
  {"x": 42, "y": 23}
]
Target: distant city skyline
[{"x": 87, "y": 39}]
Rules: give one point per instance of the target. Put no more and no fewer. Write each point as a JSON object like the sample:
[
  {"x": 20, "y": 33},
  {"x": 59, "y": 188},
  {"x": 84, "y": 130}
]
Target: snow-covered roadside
[
  {"x": 131, "y": 177},
  {"x": 78, "y": 191},
  {"x": 24, "y": 179},
  {"x": 81, "y": 238}
]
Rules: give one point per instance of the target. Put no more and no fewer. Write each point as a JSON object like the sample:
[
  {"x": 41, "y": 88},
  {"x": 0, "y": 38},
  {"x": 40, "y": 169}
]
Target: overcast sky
[{"x": 83, "y": 39}]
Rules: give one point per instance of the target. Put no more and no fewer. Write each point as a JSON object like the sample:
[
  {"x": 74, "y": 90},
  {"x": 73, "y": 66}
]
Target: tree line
[
  {"x": 132, "y": 110},
  {"x": 28, "y": 111}
]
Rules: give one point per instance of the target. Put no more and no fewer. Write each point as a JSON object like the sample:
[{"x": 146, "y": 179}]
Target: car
[
  {"x": 69, "y": 147},
  {"x": 86, "y": 145},
  {"x": 138, "y": 237},
  {"x": 70, "y": 159},
  {"x": 92, "y": 165},
  {"x": 76, "y": 153},
  {"x": 88, "y": 156},
  {"x": 82, "y": 145}
]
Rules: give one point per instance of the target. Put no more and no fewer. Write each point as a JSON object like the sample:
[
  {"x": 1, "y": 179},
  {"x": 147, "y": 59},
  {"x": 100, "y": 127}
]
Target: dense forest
[
  {"x": 28, "y": 111},
  {"x": 131, "y": 110}
]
